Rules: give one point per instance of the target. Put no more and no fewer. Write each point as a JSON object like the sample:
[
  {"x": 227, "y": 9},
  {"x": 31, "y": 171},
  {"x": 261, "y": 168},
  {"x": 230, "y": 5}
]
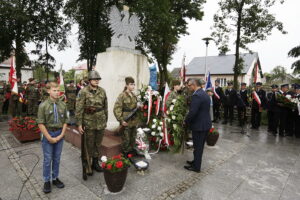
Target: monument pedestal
[{"x": 114, "y": 65}]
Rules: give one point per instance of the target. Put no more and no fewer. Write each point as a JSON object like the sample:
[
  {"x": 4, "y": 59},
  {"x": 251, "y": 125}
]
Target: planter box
[
  {"x": 25, "y": 136},
  {"x": 212, "y": 139}
]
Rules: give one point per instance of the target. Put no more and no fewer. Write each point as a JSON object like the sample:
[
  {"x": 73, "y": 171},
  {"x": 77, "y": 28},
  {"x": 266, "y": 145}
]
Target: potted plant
[
  {"x": 24, "y": 128},
  {"x": 212, "y": 137},
  {"x": 115, "y": 171}
]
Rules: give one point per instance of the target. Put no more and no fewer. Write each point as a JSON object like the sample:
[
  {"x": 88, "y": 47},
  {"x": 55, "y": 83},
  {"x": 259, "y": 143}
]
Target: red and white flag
[
  {"x": 183, "y": 70},
  {"x": 215, "y": 93},
  {"x": 13, "y": 76},
  {"x": 166, "y": 95},
  {"x": 256, "y": 98}
]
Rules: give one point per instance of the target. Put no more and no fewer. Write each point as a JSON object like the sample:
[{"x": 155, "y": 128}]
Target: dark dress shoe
[
  {"x": 191, "y": 168},
  {"x": 190, "y": 162},
  {"x": 58, "y": 183},
  {"x": 47, "y": 187}
]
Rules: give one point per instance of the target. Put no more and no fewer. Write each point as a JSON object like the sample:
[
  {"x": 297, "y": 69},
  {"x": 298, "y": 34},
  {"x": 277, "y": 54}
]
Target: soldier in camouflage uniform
[
  {"x": 91, "y": 115},
  {"x": 71, "y": 97},
  {"x": 32, "y": 94},
  {"x": 2, "y": 98},
  {"x": 44, "y": 92},
  {"x": 15, "y": 106},
  {"x": 125, "y": 104},
  {"x": 175, "y": 92},
  {"x": 52, "y": 121}
]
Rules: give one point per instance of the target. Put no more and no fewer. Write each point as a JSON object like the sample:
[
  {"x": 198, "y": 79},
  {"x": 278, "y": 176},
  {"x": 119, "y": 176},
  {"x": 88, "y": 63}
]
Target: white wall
[{"x": 4, "y": 74}]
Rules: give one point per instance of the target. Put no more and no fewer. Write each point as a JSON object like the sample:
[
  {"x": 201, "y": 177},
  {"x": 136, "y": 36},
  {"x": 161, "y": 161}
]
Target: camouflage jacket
[
  {"x": 173, "y": 95},
  {"x": 46, "y": 114},
  {"x": 44, "y": 93},
  {"x": 124, "y": 105},
  {"x": 32, "y": 92},
  {"x": 88, "y": 98},
  {"x": 71, "y": 93}
]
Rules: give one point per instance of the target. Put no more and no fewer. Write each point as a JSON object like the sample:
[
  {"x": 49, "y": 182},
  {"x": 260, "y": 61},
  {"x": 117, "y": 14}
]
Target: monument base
[{"x": 114, "y": 65}]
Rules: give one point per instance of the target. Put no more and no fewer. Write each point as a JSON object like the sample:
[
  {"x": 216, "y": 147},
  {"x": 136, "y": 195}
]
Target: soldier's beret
[
  {"x": 31, "y": 79},
  {"x": 71, "y": 81},
  {"x": 243, "y": 84},
  {"x": 259, "y": 83},
  {"x": 217, "y": 80},
  {"x": 128, "y": 80},
  {"x": 209, "y": 90},
  {"x": 284, "y": 85},
  {"x": 229, "y": 83},
  {"x": 274, "y": 86}
]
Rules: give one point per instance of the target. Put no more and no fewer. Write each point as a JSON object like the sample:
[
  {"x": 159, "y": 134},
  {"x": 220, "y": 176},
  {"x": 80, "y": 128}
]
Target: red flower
[
  {"x": 145, "y": 114},
  {"x": 211, "y": 130},
  {"x": 129, "y": 155},
  {"x": 109, "y": 166},
  {"x": 145, "y": 107},
  {"x": 119, "y": 164},
  {"x": 103, "y": 165},
  {"x": 116, "y": 157}
]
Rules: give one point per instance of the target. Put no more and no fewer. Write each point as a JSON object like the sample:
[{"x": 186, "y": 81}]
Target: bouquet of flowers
[
  {"x": 24, "y": 124},
  {"x": 152, "y": 103},
  {"x": 116, "y": 163},
  {"x": 286, "y": 101},
  {"x": 176, "y": 116}
]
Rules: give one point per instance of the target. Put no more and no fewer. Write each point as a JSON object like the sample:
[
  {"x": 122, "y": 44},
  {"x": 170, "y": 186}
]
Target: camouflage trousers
[
  {"x": 128, "y": 138},
  {"x": 32, "y": 107},
  {"x": 71, "y": 105},
  {"x": 93, "y": 142},
  {"x": 15, "y": 108}
]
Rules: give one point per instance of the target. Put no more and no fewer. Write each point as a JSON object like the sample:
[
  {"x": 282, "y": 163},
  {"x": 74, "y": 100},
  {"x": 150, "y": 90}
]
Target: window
[{"x": 223, "y": 82}]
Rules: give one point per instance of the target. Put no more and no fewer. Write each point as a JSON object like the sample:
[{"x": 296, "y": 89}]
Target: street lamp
[{"x": 207, "y": 39}]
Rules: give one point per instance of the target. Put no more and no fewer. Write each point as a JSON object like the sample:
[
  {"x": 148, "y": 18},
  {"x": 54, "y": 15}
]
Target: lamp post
[{"x": 207, "y": 39}]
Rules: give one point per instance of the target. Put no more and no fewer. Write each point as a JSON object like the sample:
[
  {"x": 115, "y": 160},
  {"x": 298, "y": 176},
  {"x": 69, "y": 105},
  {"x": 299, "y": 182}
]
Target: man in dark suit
[
  {"x": 229, "y": 102},
  {"x": 199, "y": 121},
  {"x": 284, "y": 88},
  {"x": 297, "y": 117},
  {"x": 242, "y": 104},
  {"x": 273, "y": 110},
  {"x": 217, "y": 100},
  {"x": 256, "y": 107}
]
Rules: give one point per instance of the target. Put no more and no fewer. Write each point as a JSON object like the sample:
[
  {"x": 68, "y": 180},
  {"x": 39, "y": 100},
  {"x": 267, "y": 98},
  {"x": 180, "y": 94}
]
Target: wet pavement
[{"x": 255, "y": 165}]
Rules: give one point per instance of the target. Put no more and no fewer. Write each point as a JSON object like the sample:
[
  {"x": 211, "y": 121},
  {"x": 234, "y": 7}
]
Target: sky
[{"x": 272, "y": 52}]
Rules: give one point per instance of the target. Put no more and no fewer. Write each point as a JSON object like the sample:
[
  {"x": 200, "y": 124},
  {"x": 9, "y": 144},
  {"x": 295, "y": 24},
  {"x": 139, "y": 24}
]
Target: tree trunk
[
  {"x": 236, "y": 69},
  {"x": 18, "y": 56}
]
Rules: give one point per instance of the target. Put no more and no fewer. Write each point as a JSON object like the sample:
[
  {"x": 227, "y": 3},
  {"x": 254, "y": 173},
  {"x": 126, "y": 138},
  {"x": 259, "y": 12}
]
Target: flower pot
[
  {"x": 115, "y": 181},
  {"x": 27, "y": 135},
  {"x": 212, "y": 139}
]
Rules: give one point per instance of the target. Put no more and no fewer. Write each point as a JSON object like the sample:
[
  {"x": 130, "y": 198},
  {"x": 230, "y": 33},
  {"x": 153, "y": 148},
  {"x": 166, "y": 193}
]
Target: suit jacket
[
  {"x": 220, "y": 92},
  {"x": 263, "y": 99},
  {"x": 230, "y": 97},
  {"x": 244, "y": 96},
  {"x": 198, "y": 118}
]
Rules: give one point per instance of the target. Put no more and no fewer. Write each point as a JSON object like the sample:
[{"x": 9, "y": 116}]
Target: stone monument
[{"x": 121, "y": 59}]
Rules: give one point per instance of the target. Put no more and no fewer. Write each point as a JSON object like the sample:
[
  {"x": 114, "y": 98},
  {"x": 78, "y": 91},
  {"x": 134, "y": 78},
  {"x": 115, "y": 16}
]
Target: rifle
[
  {"x": 121, "y": 128},
  {"x": 85, "y": 158}
]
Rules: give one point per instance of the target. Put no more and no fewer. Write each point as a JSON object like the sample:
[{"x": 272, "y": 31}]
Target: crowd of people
[{"x": 87, "y": 102}]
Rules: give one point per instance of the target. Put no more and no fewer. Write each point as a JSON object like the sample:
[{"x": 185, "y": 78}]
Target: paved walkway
[{"x": 257, "y": 166}]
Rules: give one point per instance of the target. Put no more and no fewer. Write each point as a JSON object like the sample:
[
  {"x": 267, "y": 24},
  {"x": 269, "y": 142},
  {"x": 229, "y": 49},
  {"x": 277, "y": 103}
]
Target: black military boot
[{"x": 96, "y": 165}]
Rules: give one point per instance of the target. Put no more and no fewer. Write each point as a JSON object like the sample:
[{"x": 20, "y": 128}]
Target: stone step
[{"x": 111, "y": 143}]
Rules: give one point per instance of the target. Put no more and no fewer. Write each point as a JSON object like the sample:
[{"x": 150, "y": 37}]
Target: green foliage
[
  {"x": 93, "y": 34},
  {"x": 295, "y": 53},
  {"x": 162, "y": 24},
  {"x": 69, "y": 75},
  {"x": 39, "y": 73},
  {"x": 176, "y": 116},
  {"x": 250, "y": 20}
]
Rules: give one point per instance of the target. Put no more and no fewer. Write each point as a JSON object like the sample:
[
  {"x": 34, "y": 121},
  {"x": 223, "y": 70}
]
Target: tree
[
  {"x": 93, "y": 34},
  {"x": 278, "y": 74},
  {"x": 250, "y": 20},
  {"x": 69, "y": 75},
  {"x": 295, "y": 52},
  {"x": 19, "y": 20},
  {"x": 52, "y": 30},
  {"x": 162, "y": 24}
]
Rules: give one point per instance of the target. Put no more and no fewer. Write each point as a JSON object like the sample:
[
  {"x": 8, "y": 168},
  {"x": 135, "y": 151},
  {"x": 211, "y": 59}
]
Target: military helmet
[{"x": 94, "y": 75}]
